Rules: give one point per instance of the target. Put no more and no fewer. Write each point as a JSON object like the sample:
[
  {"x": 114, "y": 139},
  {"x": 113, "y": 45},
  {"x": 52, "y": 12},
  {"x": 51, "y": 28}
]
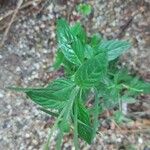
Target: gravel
[{"x": 28, "y": 54}]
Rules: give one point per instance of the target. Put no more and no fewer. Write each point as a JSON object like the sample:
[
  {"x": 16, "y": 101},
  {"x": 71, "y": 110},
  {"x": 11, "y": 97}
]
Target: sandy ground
[{"x": 28, "y": 53}]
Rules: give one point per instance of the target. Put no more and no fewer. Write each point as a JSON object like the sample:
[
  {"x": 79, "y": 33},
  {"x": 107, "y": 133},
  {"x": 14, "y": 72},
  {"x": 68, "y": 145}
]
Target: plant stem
[
  {"x": 46, "y": 146},
  {"x": 76, "y": 143},
  {"x": 120, "y": 102},
  {"x": 96, "y": 113},
  {"x": 133, "y": 89},
  {"x": 59, "y": 140}
]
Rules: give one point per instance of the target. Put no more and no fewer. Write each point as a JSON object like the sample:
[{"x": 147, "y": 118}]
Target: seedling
[
  {"x": 90, "y": 69},
  {"x": 84, "y": 9}
]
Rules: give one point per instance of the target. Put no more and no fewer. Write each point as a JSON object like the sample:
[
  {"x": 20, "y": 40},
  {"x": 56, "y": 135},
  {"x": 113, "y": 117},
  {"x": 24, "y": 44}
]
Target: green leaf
[
  {"x": 119, "y": 117},
  {"x": 84, "y": 9},
  {"x": 132, "y": 85},
  {"x": 78, "y": 31},
  {"x": 92, "y": 71},
  {"x": 128, "y": 100},
  {"x": 58, "y": 59},
  {"x": 122, "y": 76},
  {"x": 55, "y": 95},
  {"x": 84, "y": 125},
  {"x": 69, "y": 68},
  {"x": 95, "y": 40},
  {"x": 64, "y": 113},
  {"x": 69, "y": 44},
  {"x": 49, "y": 112},
  {"x": 109, "y": 91},
  {"x": 137, "y": 86},
  {"x": 145, "y": 86},
  {"x": 89, "y": 53},
  {"x": 115, "y": 48},
  {"x": 64, "y": 126}
]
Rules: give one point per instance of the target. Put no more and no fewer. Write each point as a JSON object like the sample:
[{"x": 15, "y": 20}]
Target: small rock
[
  {"x": 1, "y": 95},
  {"x": 140, "y": 140},
  {"x": 35, "y": 142},
  {"x": 36, "y": 28},
  {"x": 118, "y": 140},
  {"x": 18, "y": 69},
  {"x": 50, "y": 7},
  {"x": 27, "y": 135},
  {"x": 42, "y": 26}
]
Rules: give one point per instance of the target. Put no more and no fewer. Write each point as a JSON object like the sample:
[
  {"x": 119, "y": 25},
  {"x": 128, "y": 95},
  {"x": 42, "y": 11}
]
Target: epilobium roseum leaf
[
  {"x": 69, "y": 44},
  {"x": 115, "y": 48},
  {"x": 84, "y": 9},
  {"x": 84, "y": 124},
  {"x": 59, "y": 58},
  {"x": 78, "y": 31},
  {"x": 55, "y": 95},
  {"x": 95, "y": 40},
  {"x": 92, "y": 71},
  {"x": 89, "y": 52}
]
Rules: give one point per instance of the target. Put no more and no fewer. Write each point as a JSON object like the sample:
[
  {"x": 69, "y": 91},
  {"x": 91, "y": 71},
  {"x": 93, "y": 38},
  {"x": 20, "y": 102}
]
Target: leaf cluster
[
  {"x": 89, "y": 63},
  {"x": 84, "y": 9}
]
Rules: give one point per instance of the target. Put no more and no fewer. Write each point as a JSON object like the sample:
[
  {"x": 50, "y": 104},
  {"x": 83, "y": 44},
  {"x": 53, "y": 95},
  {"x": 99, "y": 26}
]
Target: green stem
[
  {"x": 59, "y": 140},
  {"x": 133, "y": 89},
  {"x": 96, "y": 113},
  {"x": 51, "y": 131},
  {"x": 76, "y": 143},
  {"x": 120, "y": 102}
]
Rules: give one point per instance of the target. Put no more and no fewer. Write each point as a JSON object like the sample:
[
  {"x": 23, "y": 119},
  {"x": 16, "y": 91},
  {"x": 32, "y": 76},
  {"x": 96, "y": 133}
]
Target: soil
[{"x": 27, "y": 56}]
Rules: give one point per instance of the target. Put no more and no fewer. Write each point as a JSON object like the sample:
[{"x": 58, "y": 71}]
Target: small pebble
[
  {"x": 1, "y": 95},
  {"x": 18, "y": 69},
  {"x": 27, "y": 135},
  {"x": 140, "y": 140}
]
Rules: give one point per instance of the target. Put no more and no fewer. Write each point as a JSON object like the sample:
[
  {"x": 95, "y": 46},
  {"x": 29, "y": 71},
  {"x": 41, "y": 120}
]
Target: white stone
[
  {"x": 18, "y": 69},
  {"x": 50, "y": 7},
  {"x": 140, "y": 140},
  {"x": 119, "y": 140},
  {"x": 27, "y": 135},
  {"x": 1, "y": 95}
]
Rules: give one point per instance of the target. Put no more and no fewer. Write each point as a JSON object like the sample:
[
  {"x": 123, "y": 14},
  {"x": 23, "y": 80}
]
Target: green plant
[
  {"x": 84, "y": 9},
  {"x": 90, "y": 69}
]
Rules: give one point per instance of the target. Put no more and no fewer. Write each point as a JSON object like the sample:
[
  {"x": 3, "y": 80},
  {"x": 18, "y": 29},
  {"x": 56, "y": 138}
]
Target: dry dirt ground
[{"x": 27, "y": 55}]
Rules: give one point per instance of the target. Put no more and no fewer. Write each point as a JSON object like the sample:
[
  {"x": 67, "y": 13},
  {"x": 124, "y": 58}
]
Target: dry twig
[
  {"x": 11, "y": 21},
  {"x": 9, "y": 13},
  {"x": 27, "y": 4}
]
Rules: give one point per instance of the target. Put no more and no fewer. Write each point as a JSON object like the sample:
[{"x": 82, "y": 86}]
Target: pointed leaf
[
  {"x": 69, "y": 44},
  {"x": 89, "y": 53},
  {"x": 64, "y": 126},
  {"x": 92, "y": 71},
  {"x": 55, "y": 95},
  {"x": 84, "y": 9},
  {"x": 58, "y": 59},
  {"x": 115, "y": 48},
  {"x": 78, "y": 31},
  {"x": 84, "y": 125},
  {"x": 95, "y": 40}
]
